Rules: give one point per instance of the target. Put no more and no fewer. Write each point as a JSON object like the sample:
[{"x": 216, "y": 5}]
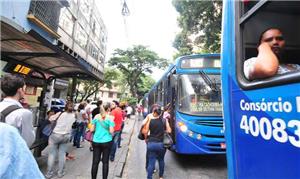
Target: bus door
[{"x": 262, "y": 116}]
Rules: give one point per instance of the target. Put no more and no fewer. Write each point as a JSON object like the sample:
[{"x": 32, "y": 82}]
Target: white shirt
[
  {"x": 283, "y": 68},
  {"x": 21, "y": 119},
  {"x": 64, "y": 122},
  {"x": 129, "y": 109},
  {"x": 79, "y": 117}
]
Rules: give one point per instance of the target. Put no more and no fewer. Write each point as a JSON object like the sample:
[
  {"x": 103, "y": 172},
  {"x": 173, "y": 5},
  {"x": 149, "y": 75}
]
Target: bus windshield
[{"x": 198, "y": 96}]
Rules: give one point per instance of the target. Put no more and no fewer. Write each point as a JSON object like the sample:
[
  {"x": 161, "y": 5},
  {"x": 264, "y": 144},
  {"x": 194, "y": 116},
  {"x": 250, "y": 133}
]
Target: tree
[
  {"x": 201, "y": 25},
  {"x": 91, "y": 87},
  {"x": 146, "y": 84},
  {"x": 134, "y": 63}
]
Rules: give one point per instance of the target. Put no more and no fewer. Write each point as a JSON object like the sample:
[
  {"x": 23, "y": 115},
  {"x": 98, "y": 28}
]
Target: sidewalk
[{"x": 80, "y": 168}]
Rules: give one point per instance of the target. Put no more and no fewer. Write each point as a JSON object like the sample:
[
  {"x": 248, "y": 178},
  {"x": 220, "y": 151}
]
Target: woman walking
[
  {"x": 81, "y": 116},
  {"x": 59, "y": 138},
  {"x": 103, "y": 127},
  {"x": 155, "y": 147}
]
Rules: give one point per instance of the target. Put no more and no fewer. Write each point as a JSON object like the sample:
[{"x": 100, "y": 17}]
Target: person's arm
[
  {"x": 27, "y": 130},
  {"x": 92, "y": 129},
  {"x": 266, "y": 64},
  {"x": 145, "y": 130},
  {"x": 111, "y": 126},
  {"x": 168, "y": 128}
]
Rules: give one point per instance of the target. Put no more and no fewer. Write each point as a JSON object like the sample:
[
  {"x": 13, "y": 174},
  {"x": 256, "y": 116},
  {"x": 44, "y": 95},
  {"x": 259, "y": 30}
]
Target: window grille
[{"x": 47, "y": 12}]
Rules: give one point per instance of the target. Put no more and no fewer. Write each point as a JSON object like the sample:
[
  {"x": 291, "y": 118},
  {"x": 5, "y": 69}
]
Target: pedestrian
[
  {"x": 122, "y": 107},
  {"x": 99, "y": 109},
  {"x": 155, "y": 147},
  {"x": 16, "y": 160},
  {"x": 129, "y": 111},
  {"x": 103, "y": 128},
  {"x": 46, "y": 127},
  {"x": 59, "y": 138},
  {"x": 13, "y": 87},
  {"x": 118, "y": 116},
  {"x": 81, "y": 116}
]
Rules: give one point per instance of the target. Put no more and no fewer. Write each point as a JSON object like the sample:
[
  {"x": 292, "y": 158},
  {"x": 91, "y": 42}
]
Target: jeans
[
  {"x": 114, "y": 145},
  {"x": 57, "y": 144},
  {"x": 119, "y": 140},
  {"x": 78, "y": 134},
  {"x": 155, "y": 151},
  {"x": 104, "y": 150}
]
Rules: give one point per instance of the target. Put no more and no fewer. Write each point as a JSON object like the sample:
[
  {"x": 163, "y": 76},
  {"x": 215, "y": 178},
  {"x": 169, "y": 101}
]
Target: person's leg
[
  {"x": 83, "y": 131},
  {"x": 79, "y": 134},
  {"x": 114, "y": 145},
  {"x": 62, "y": 149},
  {"x": 119, "y": 140},
  {"x": 147, "y": 158},
  {"x": 52, "y": 155},
  {"x": 105, "y": 157},
  {"x": 76, "y": 136},
  {"x": 152, "y": 158},
  {"x": 161, "y": 159},
  {"x": 96, "y": 159}
]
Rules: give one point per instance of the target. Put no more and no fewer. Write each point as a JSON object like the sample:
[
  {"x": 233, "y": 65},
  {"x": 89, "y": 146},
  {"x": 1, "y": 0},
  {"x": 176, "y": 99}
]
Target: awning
[{"x": 32, "y": 50}]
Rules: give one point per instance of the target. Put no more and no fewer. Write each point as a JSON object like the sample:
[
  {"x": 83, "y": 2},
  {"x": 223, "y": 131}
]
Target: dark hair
[
  {"x": 262, "y": 34},
  {"x": 11, "y": 83},
  {"x": 99, "y": 103},
  {"x": 67, "y": 104},
  {"x": 81, "y": 106},
  {"x": 106, "y": 106},
  {"x": 51, "y": 110},
  {"x": 116, "y": 102},
  {"x": 88, "y": 101},
  {"x": 158, "y": 110}
]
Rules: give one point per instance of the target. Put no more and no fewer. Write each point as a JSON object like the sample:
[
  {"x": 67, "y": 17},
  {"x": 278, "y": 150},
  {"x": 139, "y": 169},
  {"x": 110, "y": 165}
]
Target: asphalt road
[{"x": 176, "y": 166}]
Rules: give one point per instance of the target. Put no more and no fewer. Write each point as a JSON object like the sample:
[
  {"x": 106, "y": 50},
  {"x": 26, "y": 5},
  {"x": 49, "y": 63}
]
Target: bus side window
[{"x": 255, "y": 18}]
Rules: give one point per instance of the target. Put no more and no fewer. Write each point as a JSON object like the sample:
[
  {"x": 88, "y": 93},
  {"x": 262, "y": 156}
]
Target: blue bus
[
  {"x": 262, "y": 116},
  {"x": 192, "y": 87}
]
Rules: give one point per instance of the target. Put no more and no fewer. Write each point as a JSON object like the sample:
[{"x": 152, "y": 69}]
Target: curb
[{"x": 122, "y": 161}]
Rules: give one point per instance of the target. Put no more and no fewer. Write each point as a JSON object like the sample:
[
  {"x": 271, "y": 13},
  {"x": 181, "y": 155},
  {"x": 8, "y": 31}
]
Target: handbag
[
  {"x": 48, "y": 129},
  {"x": 89, "y": 136},
  {"x": 168, "y": 142},
  {"x": 141, "y": 135}
]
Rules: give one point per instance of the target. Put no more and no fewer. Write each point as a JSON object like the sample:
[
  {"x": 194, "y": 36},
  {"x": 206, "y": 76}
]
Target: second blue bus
[{"x": 192, "y": 86}]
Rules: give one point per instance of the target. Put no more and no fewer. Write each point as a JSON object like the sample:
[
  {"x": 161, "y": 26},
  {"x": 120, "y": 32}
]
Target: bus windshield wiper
[{"x": 208, "y": 81}]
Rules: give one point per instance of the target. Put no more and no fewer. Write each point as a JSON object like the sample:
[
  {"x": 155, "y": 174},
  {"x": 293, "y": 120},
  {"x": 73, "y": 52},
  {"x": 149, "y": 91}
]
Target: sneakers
[
  {"x": 49, "y": 175},
  {"x": 60, "y": 175},
  {"x": 112, "y": 159}
]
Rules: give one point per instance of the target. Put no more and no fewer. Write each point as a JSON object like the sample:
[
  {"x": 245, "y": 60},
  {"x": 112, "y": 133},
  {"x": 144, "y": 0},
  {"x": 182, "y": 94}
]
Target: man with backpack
[{"x": 11, "y": 110}]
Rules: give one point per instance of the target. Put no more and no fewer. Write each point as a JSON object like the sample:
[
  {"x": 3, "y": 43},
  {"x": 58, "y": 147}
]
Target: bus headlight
[
  {"x": 182, "y": 126},
  {"x": 199, "y": 136}
]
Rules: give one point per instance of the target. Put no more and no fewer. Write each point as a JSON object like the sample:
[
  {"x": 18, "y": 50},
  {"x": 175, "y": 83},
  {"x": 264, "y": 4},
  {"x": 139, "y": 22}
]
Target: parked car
[{"x": 57, "y": 105}]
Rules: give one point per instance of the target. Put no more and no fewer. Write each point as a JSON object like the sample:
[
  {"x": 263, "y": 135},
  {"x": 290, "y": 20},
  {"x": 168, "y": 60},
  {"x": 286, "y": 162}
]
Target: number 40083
[{"x": 276, "y": 129}]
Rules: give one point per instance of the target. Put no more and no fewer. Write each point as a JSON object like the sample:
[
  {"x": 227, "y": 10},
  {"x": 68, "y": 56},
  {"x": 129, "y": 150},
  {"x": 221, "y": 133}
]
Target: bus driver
[{"x": 269, "y": 61}]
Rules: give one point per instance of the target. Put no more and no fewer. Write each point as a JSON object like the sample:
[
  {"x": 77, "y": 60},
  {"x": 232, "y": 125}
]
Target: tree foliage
[
  {"x": 134, "y": 63},
  {"x": 92, "y": 87},
  {"x": 200, "y": 22},
  {"x": 144, "y": 86}
]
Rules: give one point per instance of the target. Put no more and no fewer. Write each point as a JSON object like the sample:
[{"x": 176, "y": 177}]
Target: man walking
[
  {"x": 11, "y": 109},
  {"x": 118, "y": 116}
]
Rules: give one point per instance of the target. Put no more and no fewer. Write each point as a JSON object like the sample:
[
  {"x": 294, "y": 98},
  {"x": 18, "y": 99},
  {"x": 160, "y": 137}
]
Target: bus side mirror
[{"x": 173, "y": 79}]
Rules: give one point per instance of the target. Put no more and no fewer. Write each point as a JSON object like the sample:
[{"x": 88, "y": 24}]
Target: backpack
[{"x": 7, "y": 111}]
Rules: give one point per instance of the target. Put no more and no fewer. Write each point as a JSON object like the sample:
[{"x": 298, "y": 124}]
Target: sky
[{"x": 152, "y": 23}]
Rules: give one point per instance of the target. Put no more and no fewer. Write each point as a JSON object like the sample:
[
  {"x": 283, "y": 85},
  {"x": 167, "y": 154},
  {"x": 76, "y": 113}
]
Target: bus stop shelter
[{"x": 32, "y": 55}]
